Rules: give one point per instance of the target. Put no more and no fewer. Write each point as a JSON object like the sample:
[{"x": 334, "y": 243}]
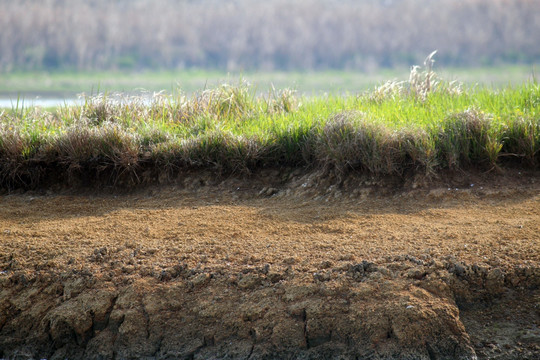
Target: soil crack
[
  {"x": 251, "y": 351},
  {"x": 306, "y": 337},
  {"x": 147, "y": 319}
]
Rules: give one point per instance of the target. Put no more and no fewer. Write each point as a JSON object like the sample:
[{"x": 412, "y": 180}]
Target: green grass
[
  {"x": 421, "y": 125},
  {"x": 69, "y": 84}
]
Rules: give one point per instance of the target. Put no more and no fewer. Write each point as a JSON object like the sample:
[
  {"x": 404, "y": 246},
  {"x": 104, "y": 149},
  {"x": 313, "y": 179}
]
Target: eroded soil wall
[{"x": 238, "y": 272}]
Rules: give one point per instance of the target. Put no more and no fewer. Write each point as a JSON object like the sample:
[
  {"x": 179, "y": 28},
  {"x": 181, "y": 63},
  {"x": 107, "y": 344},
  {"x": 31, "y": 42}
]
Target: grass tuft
[
  {"x": 466, "y": 138},
  {"x": 348, "y": 141},
  {"x": 521, "y": 139}
]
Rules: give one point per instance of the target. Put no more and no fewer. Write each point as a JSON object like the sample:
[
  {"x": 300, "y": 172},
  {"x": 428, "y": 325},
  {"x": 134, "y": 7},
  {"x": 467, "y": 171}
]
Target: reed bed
[{"x": 423, "y": 125}]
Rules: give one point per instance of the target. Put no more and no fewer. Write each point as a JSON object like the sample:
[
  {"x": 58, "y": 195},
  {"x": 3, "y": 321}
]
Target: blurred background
[{"x": 63, "y": 47}]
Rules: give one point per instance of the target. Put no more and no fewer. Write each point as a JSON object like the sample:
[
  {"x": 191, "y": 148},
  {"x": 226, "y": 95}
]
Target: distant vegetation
[
  {"x": 418, "y": 126},
  {"x": 237, "y": 35}
]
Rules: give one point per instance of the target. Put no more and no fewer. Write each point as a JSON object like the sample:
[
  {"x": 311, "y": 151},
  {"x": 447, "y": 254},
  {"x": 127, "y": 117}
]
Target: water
[
  {"x": 12, "y": 103},
  {"x": 8, "y": 101}
]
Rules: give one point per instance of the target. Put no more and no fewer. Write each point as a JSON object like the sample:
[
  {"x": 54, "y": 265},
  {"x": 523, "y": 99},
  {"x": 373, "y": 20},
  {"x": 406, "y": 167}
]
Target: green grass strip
[{"x": 422, "y": 125}]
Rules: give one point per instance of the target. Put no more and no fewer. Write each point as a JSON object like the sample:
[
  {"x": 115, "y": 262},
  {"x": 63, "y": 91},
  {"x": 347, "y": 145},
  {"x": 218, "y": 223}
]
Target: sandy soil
[{"x": 242, "y": 269}]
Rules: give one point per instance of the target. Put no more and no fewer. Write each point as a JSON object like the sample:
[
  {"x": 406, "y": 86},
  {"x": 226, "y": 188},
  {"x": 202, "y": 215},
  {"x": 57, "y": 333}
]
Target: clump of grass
[
  {"x": 224, "y": 101},
  {"x": 24, "y": 147},
  {"x": 521, "y": 140},
  {"x": 348, "y": 141},
  {"x": 88, "y": 151},
  {"x": 467, "y": 138},
  {"x": 420, "y": 151},
  {"x": 420, "y": 126},
  {"x": 419, "y": 86},
  {"x": 222, "y": 151},
  {"x": 282, "y": 101}
]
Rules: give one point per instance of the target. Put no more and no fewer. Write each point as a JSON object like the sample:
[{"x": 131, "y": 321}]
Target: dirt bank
[{"x": 263, "y": 268}]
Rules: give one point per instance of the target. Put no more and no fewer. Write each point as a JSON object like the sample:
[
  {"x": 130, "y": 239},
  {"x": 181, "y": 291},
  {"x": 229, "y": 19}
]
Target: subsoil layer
[{"x": 275, "y": 266}]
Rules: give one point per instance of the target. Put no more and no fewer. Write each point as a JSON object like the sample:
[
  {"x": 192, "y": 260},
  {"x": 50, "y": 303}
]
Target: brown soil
[{"x": 274, "y": 267}]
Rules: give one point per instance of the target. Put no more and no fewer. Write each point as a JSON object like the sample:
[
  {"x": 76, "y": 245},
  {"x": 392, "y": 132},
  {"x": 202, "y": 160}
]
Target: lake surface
[{"x": 12, "y": 103}]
